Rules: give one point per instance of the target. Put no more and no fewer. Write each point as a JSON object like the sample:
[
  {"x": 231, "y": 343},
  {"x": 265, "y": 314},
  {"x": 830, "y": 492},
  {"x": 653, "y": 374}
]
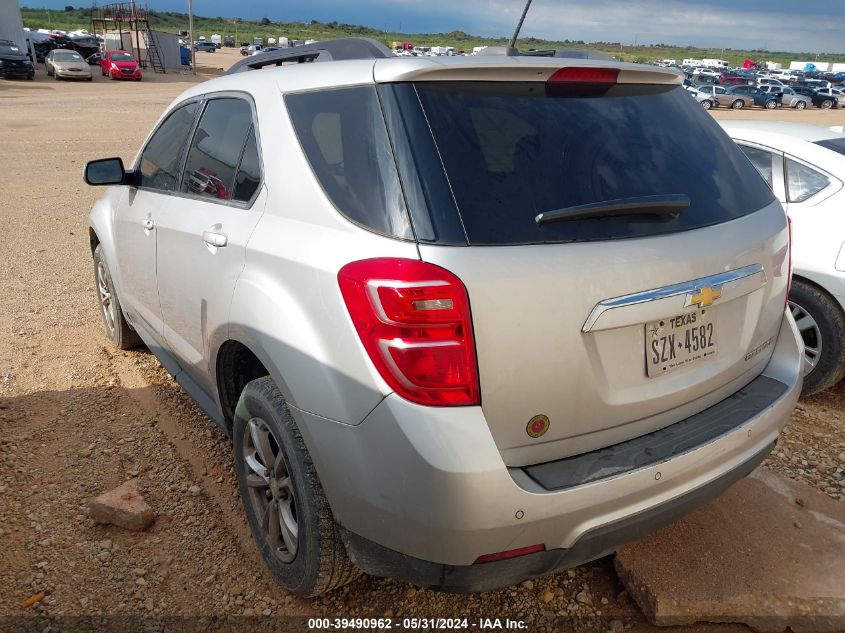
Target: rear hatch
[{"x": 591, "y": 331}]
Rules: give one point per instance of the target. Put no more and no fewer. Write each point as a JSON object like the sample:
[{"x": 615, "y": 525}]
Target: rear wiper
[{"x": 650, "y": 208}]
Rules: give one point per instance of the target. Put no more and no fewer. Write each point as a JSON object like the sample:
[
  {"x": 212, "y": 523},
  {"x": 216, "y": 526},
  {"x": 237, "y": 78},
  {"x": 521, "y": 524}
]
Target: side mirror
[{"x": 106, "y": 171}]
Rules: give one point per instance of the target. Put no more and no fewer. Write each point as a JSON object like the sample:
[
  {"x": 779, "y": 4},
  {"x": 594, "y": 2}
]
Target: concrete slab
[{"x": 769, "y": 553}]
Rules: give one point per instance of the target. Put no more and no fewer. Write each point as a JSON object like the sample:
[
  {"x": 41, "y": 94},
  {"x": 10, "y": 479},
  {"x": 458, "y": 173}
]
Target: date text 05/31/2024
[{"x": 416, "y": 624}]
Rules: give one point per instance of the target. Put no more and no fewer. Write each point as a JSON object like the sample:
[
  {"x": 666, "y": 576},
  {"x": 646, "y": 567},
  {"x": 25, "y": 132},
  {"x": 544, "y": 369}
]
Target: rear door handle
[
  {"x": 148, "y": 224},
  {"x": 215, "y": 239}
]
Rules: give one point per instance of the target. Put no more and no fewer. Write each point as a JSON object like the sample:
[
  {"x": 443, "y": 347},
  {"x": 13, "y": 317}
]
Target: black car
[
  {"x": 13, "y": 61},
  {"x": 819, "y": 100}
]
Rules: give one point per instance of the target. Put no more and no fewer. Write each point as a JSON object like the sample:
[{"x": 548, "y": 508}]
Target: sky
[{"x": 775, "y": 25}]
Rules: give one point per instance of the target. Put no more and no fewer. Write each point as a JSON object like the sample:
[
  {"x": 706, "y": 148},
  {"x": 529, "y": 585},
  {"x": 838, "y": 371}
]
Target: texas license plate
[{"x": 678, "y": 341}]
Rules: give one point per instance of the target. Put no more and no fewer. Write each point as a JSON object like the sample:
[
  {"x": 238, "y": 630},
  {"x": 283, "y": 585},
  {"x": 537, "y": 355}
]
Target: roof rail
[{"x": 330, "y": 50}]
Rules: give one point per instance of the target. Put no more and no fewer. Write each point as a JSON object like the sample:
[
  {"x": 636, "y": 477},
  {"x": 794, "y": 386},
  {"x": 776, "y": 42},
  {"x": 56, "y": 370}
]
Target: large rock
[
  {"x": 123, "y": 506},
  {"x": 770, "y": 553}
]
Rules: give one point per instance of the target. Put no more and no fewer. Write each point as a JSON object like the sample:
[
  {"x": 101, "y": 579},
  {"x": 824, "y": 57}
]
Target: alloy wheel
[
  {"x": 810, "y": 333},
  {"x": 271, "y": 489},
  {"x": 104, "y": 290}
]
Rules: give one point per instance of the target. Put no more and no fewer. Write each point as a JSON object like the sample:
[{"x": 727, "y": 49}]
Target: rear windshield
[
  {"x": 836, "y": 144},
  {"x": 513, "y": 150}
]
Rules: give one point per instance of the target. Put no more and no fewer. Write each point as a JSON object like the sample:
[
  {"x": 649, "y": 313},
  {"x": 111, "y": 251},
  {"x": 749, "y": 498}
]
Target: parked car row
[{"x": 68, "y": 64}]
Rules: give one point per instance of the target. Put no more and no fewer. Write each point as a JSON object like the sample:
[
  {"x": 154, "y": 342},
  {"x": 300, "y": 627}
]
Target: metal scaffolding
[{"x": 131, "y": 18}]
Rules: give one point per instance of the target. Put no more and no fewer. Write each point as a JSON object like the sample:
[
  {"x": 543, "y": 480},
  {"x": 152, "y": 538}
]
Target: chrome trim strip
[{"x": 675, "y": 290}]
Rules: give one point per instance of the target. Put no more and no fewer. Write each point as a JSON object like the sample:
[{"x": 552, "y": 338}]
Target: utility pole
[
  {"x": 191, "y": 36},
  {"x": 512, "y": 43}
]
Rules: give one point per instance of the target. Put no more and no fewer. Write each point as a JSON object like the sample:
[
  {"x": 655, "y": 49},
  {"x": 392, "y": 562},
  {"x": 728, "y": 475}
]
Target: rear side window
[
  {"x": 803, "y": 182},
  {"x": 762, "y": 161},
  {"x": 343, "y": 135},
  {"x": 514, "y": 150},
  {"x": 216, "y": 148},
  {"x": 162, "y": 157},
  {"x": 249, "y": 171}
]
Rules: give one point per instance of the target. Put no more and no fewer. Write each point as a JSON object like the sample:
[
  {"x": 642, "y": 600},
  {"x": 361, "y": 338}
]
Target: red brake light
[
  {"x": 511, "y": 553},
  {"x": 414, "y": 321},
  {"x": 585, "y": 75}
]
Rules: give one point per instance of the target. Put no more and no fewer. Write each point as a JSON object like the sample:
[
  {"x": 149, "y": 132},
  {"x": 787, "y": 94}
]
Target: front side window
[
  {"x": 803, "y": 182},
  {"x": 162, "y": 157},
  {"x": 343, "y": 136},
  {"x": 216, "y": 148},
  {"x": 762, "y": 161}
]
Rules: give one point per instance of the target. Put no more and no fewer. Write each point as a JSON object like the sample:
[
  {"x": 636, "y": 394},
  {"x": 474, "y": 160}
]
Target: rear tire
[
  {"x": 827, "y": 104},
  {"x": 771, "y": 105},
  {"x": 117, "y": 329},
  {"x": 739, "y": 104},
  {"x": 821, "y": 323},
  {"x": 800, "y": 105},
  {"x": 288, "y": 513}
]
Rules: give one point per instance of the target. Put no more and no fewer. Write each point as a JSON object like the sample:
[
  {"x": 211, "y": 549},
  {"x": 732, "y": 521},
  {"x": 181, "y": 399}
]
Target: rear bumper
[
  {"x": 422, "y": 492},
  {"x": 380, "y": 561}
]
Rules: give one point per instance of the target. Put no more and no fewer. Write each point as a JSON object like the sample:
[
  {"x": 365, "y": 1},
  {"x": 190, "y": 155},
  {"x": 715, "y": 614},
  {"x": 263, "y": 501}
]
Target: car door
[
  {"x": 203, "y": 231},
  {"x": 158, "y": 173},
  {"x": 721, "y": 95}
]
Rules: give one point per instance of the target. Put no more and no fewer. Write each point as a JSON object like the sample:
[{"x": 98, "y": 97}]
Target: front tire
[
  {"x": 706, "y": 104},
  {"x": 287, "y": 510},
  {"x": 827, "y": 104},
  {"x": 821, "y": 322},
  {"x": 117, "y": 329},
  {"x": 800, "y": 105},
  {"x": 771, "y": 105},
  {"x": 739, "y": 104}
]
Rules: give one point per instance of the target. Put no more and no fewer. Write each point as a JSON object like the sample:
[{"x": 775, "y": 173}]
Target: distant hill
[{"x": 75, "y": 18}]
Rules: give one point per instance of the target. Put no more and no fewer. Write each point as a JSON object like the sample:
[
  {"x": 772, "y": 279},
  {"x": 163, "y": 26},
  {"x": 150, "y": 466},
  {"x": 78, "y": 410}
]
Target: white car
[{"x": 805, "y": 166}]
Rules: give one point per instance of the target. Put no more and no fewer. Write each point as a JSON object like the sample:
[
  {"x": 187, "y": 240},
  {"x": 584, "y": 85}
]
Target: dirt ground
[{"x": 78, "y": 417}]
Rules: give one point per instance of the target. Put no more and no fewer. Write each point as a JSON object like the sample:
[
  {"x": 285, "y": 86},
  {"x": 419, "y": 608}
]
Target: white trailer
[
  {"x": 216, "y": 40},
  {"x": 714, "y": 63},
  {"x": 271, "y": 41}
]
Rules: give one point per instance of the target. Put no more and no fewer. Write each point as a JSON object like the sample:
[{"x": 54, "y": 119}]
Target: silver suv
[{"x": 467, "y": 320}]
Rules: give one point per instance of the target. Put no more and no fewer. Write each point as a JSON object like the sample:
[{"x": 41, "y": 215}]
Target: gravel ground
[{"x": 79, "y": 418}]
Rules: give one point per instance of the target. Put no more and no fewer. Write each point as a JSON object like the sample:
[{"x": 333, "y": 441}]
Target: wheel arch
[
  {"x": 819, "y": 286},
  {"x": 236, "y": 365}
]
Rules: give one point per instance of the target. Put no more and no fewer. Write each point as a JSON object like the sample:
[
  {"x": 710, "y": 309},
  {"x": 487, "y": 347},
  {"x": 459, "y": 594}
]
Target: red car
[{"x": 119, "y": 65}]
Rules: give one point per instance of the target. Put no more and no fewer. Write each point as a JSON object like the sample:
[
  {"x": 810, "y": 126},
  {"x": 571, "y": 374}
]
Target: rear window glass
[
  {"x": 836, "y": 144},
  {"x": 514, "y": 150},
  {"x": 343, "y": 135}
]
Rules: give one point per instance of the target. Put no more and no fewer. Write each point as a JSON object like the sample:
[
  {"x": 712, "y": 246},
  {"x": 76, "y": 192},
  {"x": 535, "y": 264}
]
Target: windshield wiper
[{"x": 650, "y": 208}]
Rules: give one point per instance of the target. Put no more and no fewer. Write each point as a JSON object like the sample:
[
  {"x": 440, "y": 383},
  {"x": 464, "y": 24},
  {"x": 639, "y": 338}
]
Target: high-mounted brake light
[
  {"x": 585, "y": 75},
  {"x": 414, "y": 321}
]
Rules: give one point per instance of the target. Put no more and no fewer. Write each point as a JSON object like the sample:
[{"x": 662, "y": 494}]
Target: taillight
[{"x": 414, "y": 321}]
